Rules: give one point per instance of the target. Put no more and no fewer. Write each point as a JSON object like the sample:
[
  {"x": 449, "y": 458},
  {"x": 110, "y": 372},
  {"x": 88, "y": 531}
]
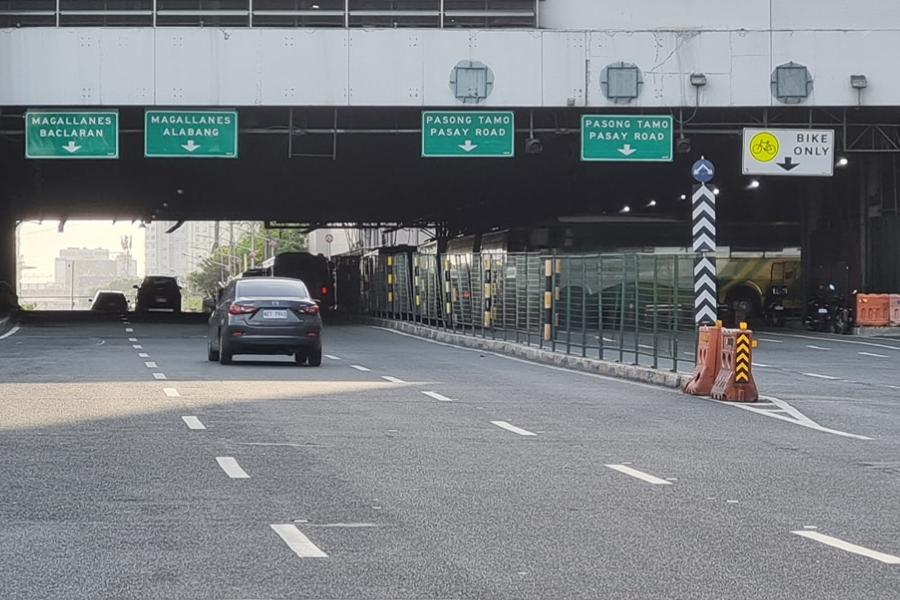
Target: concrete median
[{"x": 600, "y": 367}]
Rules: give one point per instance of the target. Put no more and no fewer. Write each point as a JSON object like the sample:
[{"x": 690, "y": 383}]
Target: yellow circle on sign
[{"x": 764, "y": 146}]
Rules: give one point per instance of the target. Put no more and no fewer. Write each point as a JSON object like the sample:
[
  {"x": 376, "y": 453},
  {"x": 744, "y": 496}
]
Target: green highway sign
[
  {"x": 191, "y": 133},
  {"x": 626, "y": 138},
  {"x": 72, "y": 134},
  {"x": 452, "y": 133}
]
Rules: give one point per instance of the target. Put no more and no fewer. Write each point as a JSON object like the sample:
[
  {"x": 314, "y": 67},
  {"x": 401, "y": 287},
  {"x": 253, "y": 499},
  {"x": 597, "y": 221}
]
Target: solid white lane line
[
  {"x": 129, "y": 330},
  {"x": 298, "y": 542},
  {"x": 171, "y": 392},
  {"x": 639, "y": 474},
  {"x": 332, "y": 357},
  {"x": 756, "y": 364},
  {"x": 436, "y": 396},
  {"x": 847, "y": 546},
  {"x": 151, "y": 365},
  {"x": 770, "y": 341},
  {"x": 137, "y": 347},
  {"x": 392, "y": 379},
  {"x": 193, "y": 423},
  {"x": 817, "y": 376},
  {"x": 811, "y": 347},
  {"x": 359, "y": 368},
  {"x": 159, "y": 376},
  {"x": 872, "y": 354},
  {"x": 132, "y": 339},
  {"x": 9, "y": 333},
  {"x": 143, "y": 355},
  {"x": 513, "y": 428},
  {"x": 231, "y": 467}
]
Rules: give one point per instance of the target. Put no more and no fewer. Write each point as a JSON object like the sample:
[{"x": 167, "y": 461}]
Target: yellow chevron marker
[{"x": 742, "y": 359}]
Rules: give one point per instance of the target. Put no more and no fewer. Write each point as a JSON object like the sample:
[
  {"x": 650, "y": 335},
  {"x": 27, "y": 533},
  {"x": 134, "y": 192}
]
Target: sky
[{"x": 40, "y": 243}]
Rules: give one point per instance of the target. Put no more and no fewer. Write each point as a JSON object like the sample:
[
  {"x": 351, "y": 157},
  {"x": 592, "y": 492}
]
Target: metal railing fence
[
  {"x": 631, "y": 308},
  {"x": 270, "y": 13}
]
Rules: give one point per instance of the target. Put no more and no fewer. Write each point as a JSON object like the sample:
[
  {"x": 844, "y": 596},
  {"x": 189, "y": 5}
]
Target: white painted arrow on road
[
  {"x": 627, "y": 150},
  {"x": 468, "y": 146},
  {"x": 71, "y": 147},
  {"x": 190, "y": 146}
]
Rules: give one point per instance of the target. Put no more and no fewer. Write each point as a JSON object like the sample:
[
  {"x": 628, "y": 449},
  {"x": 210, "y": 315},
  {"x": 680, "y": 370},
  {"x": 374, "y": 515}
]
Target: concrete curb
[
  {"x": 6, "y": 323},
  {"x": 590, "y": 365}
]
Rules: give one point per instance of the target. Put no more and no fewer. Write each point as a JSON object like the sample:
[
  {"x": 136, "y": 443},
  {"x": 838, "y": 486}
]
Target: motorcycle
[
  {"x": 773, "y": 313},
  {"x": 818, "y": 315},
  {"x": 841, "y": 314}
]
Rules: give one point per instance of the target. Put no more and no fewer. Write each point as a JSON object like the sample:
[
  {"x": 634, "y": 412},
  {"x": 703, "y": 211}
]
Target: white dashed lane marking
[
  {"x": 873, "y": 355},
  {"x": 817, "y": 376},
  {"x": 129, "y": 330},
  {"x": 298, "y": 542},
  {"x": 159, "y": 376},
  {"x": 143, "y": 355},
  {"x": 438, "y": 397},
  {"x": 359, "y": 368},
  {"x": 231, "y": 467},
  {"x": 639, "y": 474},
  {"x": 392, "y": 379},
  {"x": 332, "y": 357},
  {"x": 193, "y": 423},
  {"x": 137, "y": 347},
  {"x": 132, "y": 339},
  {"x": 513, "y": 428},
  {"x": 848, "y": 547},
  {"x": 151, "y": 365}
]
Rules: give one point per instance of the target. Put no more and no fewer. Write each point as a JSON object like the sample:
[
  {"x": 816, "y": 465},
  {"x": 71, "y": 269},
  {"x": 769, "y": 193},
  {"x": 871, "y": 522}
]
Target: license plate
[
  {"x": 823, "y": 311},
  {"x": 274, "y": 314},
  {"x": 161, "y": 299}
]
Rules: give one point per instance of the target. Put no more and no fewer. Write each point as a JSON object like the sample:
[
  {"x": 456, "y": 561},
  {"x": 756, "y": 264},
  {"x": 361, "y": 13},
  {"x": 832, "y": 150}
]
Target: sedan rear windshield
[{"x": 268, "y": 288}]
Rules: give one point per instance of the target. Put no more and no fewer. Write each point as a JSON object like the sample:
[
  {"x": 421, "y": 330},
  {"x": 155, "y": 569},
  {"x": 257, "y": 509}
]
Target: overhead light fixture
[
  {"x": 753, "y": 184},
  {"x": 650, "y": 204},
  {"x": 682, "y": 197},
  {"x": 859, "y": 82},
  {"x": 716, "y": 191},
  {"x": 533, "y": 146},
  {"x": 842, "y": 162},
  {"x": 625, "y": 209},
  {"x": 698, "y": 79}
]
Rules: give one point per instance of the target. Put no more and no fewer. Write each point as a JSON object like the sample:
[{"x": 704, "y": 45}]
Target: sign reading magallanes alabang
[
  {"x": 72, "y": 134},
  {"x": 191, "y": 133}
]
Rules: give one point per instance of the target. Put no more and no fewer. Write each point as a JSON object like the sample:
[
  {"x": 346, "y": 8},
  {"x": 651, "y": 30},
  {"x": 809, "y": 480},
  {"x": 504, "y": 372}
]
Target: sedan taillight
[
  {"x": 241, "y": 309},
  {"x": 309, "y": 309}
]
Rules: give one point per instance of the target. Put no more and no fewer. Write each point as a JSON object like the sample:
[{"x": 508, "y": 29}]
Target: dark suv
[{"x": 158, "y": 292}]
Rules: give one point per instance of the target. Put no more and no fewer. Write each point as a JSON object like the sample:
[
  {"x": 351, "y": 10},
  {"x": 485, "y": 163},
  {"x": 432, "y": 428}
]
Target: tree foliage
[{"x": 253, "y": 247}]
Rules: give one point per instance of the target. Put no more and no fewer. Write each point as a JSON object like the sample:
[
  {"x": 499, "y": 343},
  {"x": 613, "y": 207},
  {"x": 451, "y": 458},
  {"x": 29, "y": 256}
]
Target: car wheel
[
  {"x": 211, "y": 355},
  {"x": 300, "y": 357},
  {"x": 225, "y": 353},
  {"x": 315, "y": 357}
]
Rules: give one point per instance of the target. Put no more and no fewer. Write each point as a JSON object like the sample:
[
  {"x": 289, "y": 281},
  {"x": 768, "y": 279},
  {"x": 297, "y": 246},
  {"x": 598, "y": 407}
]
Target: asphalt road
[{"x": 132, "y": 468}]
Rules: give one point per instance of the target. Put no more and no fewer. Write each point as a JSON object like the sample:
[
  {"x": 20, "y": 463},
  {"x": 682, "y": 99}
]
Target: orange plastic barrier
[
  {"x": 895, "y": 310},
  {"x": 873, "y": 310},
  {"x": 735, "y": 379},
  {"x": 709, "y": 346}
]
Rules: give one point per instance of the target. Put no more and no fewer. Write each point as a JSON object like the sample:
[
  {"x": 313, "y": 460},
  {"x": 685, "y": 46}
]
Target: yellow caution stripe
[{"x": 742, "y": 359}]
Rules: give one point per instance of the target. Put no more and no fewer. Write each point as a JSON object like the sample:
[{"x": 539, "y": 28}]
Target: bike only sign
[
  {"x": 788, "y": 152},
  {"x": 449, "y": 134},
  {"x": 71, "y": 134}
]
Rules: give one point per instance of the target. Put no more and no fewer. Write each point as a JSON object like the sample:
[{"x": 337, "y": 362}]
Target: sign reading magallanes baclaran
[{"x": 71, "y": 134}]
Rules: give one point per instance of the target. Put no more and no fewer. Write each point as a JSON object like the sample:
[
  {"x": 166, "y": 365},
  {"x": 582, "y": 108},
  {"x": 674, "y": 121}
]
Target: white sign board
[{"x": 788, "y": 152}]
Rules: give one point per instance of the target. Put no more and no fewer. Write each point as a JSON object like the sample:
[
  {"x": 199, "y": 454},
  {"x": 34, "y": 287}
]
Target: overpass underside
[{"x": 326, "y": 165}]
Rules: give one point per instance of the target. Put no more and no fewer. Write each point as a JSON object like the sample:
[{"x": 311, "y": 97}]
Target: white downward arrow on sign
[
  {"x": 71, "y": 147},
  {"x": 627, "y": 150},
  {"x": 190, "y": 146},
  {"x": 468, "y": 146}
]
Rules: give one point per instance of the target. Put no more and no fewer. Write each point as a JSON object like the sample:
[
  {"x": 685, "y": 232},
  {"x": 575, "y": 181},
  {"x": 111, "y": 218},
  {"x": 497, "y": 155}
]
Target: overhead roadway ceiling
[{"x": 366, "y": 167}]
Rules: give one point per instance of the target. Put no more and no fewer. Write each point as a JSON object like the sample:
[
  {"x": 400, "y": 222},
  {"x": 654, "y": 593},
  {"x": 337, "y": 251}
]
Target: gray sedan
[{"x": 265, "y": 315}]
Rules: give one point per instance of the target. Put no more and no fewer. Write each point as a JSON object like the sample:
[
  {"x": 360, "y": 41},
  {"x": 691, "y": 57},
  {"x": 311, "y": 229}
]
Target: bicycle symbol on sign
[{"x": 764, "y": 146}]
